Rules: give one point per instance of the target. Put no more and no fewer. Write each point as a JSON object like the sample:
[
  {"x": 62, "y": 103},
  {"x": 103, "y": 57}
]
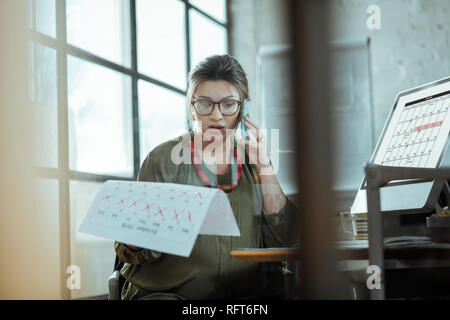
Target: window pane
[
  {"x": 162, "y": 115},
  {"x": 100, "y": 119},
  {"x": 95, "y": 256},
  {"x": 101, "y": 27},
  {"x": 161, "y": 40},
  {"x": 30, "y": 14},
  {"x": 207, "y": 38},
  {"x": 215, "y": 8},
  {"x": 47, "y": 238},
  {"x": 45, "y": 100},
  {"x": 44, "y": 16}
]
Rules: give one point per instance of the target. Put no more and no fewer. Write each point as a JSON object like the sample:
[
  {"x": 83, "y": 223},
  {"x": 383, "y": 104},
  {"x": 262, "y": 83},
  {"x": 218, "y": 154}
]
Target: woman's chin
[{"x": 218, "y": 134}]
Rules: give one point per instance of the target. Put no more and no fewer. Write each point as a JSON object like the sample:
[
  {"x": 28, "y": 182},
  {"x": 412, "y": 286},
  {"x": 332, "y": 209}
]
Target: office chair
[{"x": 116, "y": 281}]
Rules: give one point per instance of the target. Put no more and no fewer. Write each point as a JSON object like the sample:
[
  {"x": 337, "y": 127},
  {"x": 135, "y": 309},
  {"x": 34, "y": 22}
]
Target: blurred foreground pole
[
  {"x": 318, "y": 277},
  {"x": 18, "y": 279}
]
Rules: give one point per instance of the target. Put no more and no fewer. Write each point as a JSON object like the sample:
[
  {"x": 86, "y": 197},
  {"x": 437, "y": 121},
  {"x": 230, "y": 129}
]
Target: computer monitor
[{"x": 416, "y": 134}]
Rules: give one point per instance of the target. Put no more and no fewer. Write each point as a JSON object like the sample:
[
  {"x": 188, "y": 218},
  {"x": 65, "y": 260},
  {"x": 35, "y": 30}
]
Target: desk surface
[
  {"x": 266, "y": 255},
  {"x": 351, "y": 250}
]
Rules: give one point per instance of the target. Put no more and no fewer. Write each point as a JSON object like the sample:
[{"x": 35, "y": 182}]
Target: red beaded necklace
[{"x": 235, "y": 173}]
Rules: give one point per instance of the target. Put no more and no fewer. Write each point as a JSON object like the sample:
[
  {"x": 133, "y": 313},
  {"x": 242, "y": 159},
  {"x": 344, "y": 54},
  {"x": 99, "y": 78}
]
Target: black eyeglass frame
[{"x": 220, "y": 108}]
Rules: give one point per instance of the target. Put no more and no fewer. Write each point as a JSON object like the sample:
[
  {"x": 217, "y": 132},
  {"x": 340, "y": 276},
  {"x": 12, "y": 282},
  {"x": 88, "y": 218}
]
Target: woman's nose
[{"x": 216, "y": 113}]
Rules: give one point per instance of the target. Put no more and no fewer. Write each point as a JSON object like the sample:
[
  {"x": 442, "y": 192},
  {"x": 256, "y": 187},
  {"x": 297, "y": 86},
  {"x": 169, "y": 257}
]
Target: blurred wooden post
[
  {"x": 310, "y": 27},
  {"x": 18, "y": 243}
]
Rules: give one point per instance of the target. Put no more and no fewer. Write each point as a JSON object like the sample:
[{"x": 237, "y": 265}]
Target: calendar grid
[{"x": 416, "y": 133}]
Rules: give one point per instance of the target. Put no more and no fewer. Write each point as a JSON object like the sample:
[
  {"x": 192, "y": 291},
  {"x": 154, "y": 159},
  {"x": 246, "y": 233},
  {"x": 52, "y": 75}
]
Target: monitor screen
[
  {"x": 415, "y": 135},
  {"x": 418, "y": 129}
]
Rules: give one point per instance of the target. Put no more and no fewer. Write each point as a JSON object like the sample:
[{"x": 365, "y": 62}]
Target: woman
[{"x": 217, "y": 88}]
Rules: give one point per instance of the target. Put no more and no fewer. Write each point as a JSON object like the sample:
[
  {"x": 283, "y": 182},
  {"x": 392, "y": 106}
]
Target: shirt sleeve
[
  {"x": 281, "y": 229},
  {"x": 158, "y": 167},
  {"x": 153, "y": 169},
  {"x": 131, "y": 256}
]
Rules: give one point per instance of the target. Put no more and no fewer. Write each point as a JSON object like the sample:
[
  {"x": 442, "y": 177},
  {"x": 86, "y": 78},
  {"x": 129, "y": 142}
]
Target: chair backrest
[
  {"x": 114, "y": 286},
  {"x": 116, "y": 281}
]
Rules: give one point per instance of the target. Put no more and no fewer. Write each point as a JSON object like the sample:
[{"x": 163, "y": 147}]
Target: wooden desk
[
  {"x": 351, "y": 250},
  {"x": 266, "y": 255},
  {"x": 427, "y": 263}
]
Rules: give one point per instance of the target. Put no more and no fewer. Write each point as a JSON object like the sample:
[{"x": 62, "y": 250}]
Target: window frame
[{"x": 62, "y": 173}]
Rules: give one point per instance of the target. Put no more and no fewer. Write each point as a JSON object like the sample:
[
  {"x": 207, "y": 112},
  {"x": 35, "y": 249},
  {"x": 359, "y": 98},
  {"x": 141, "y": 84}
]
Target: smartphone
[{"x": 243, "y": 127}]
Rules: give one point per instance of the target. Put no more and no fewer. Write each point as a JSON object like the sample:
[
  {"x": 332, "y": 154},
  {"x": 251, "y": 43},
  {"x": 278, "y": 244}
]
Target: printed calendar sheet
[{"x": 163, "y": 217}]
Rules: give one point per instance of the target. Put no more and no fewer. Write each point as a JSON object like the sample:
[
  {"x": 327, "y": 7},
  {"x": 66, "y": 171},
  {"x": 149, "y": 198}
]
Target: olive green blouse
[{"x": 209, "y": 272}]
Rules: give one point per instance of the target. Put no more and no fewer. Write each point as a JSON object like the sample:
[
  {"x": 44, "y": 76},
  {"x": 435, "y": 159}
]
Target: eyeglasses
[{"x": 205, "y": 107}]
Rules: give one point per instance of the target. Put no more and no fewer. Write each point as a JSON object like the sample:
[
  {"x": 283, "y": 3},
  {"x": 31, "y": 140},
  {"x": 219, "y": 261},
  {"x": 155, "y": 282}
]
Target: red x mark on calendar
[
  {"x": 176, "y": 215},
  {"x": 147, "y": 207},
  {"x": 122, "y": 201},
  {"x": 171, "y": 190},
  {"x": 184, "y": 193},
  {"x": 199, "y": 194},
  {"x": 160, "y": 211},
  {"x": 134, "y": 203},
  {"x": 108, "y": 197},
  {"x": 189, "y": 216}
]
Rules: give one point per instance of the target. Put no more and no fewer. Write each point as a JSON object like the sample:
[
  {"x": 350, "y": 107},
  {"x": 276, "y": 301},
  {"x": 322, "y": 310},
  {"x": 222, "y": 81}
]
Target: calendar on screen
[{"x": 417, "y": 133}]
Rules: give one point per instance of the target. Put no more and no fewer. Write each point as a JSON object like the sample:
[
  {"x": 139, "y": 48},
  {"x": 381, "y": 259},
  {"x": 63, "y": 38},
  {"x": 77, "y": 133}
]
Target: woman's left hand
[{"x": 256, "y": 146}]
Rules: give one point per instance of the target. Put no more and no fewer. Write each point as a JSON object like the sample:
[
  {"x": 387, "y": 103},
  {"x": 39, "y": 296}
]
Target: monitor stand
[{"x": 406, "y": 196}]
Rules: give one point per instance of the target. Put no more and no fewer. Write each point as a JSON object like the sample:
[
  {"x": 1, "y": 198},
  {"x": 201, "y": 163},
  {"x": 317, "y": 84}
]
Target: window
[{"x": 108, "y": 80}]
